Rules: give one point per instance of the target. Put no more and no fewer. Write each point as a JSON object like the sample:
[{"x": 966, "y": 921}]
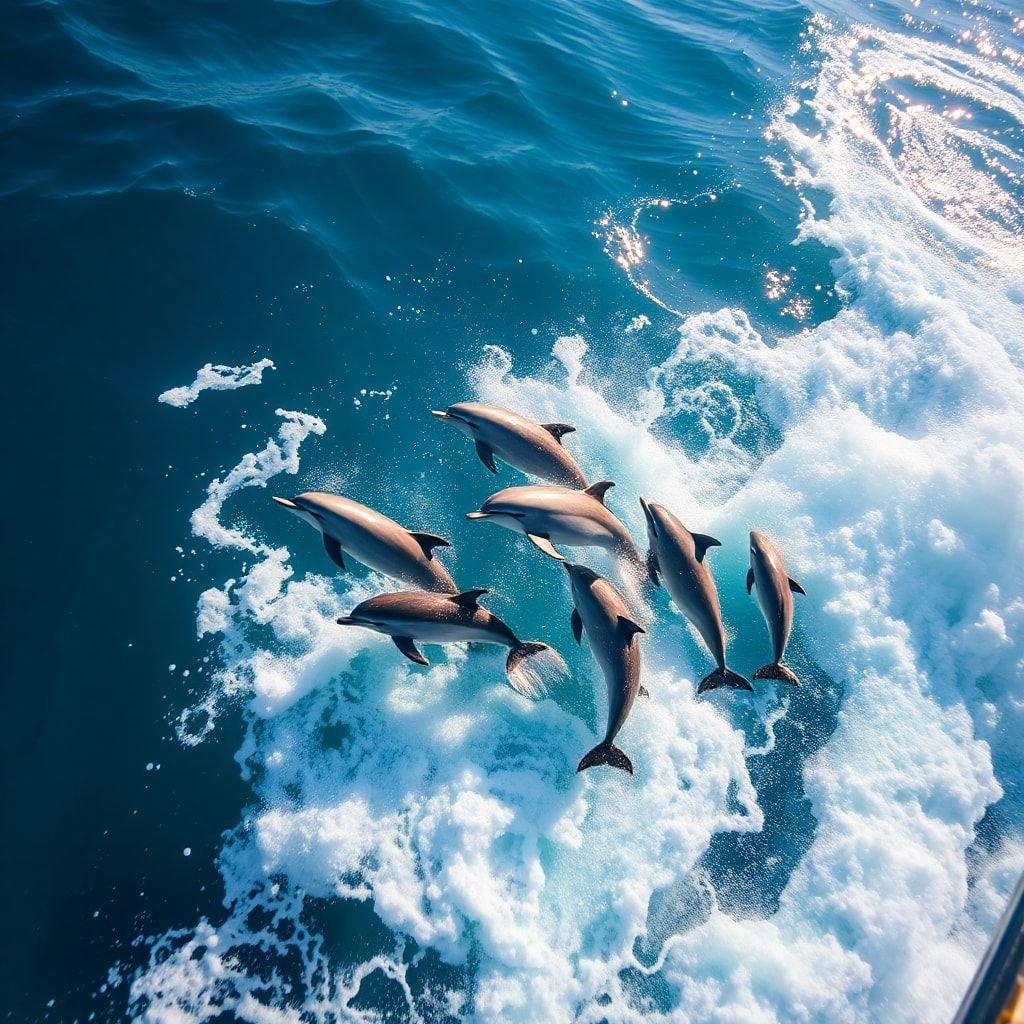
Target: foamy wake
[
  {"x": 216, "y": 378},
  {"x": 891, "y": 472}
]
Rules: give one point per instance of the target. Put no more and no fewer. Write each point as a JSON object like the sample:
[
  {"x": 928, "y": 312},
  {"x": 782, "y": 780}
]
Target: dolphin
[
  {"x": 534, "y": 448},
  {"x": 456, "y": 618},
  {"x": 373, "y": 539},
  {"x": 677, "y": 555},
  {"x": 611, "y": 629},
  {"x": 550, "y": 515},
  {"x": 775, "y": 596}
]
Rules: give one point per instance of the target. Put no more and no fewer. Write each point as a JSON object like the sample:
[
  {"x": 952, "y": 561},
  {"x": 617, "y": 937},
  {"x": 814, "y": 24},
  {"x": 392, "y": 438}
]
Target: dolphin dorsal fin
[
  {"x": 558, "y": 430},
  {"x": 599, "y": 489},
  {"x": 701, "y": 543},
  {"x": 469, "y": 598},
  {"x": 629, "y": 627},
  {"x": 429, "y": 541}
]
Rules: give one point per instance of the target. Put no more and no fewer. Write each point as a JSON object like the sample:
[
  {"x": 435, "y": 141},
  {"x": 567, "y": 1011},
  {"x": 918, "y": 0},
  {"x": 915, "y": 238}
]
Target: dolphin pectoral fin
[
  {"x": 599, "y": 489},
  {"x": 750, "y": 580},
  {"x": 630, "y": 628},
  {"x": 406, "y": 645},
  {"x": 469, "y": 598},
  {"x": 577, "y": 626},
  {"x": 653, "y": 568},
  {"x": 429, "y": 541},
  {"x": 795, "y": 587},
  {"x": 545, "y": 545},
  {"x": 333, "y": 549},
  {"x": 486, "y": 453},
  {"x": 701, "y": 543},
  {"x": 558, "y": 430},
  {"x": 643, "y": 691}
]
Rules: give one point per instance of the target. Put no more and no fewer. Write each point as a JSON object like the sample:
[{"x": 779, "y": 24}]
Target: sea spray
[{"x": 888, "y": 467}]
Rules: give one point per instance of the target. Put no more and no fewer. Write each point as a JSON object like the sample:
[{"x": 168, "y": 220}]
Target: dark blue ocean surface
[{"x": 766, "y": 257}]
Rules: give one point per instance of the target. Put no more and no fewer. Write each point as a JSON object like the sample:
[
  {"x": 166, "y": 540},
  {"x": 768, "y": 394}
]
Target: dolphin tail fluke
[
  {"x": 530, "y": 666},
  {"x": 778, "y": 671},
  {"x": 724, "y": 677},
  {"x": 606, "y": 753}
]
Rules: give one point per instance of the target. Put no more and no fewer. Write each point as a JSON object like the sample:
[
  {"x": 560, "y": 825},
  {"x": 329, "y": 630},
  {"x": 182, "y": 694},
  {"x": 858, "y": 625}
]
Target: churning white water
[{"x": 887, "y": 460}]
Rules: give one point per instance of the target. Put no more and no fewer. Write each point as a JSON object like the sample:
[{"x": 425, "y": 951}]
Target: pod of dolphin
[{"x": 563, "y": 511}]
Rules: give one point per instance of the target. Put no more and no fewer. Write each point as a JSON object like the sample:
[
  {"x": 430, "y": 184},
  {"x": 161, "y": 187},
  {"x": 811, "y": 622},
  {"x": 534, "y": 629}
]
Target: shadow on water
[
  {"x": 748, "y": 871},
  {"x": 745, "y": 873}
]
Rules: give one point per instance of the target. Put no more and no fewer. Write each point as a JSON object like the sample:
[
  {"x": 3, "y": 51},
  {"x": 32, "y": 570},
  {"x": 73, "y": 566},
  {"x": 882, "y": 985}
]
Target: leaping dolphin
[
  {"x": 455, "y": 618},
  {"x": 373, "y": 539},
  {"x": 549, "y": 515},
  {"x": 678, "y": 557},
  {"x": 534, "y": 448},
  {"x": 612, "y": 631},
  {"x": 775, "y": 596}
]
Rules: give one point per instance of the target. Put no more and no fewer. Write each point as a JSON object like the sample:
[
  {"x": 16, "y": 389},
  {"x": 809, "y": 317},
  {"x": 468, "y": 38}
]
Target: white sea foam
[
  {"x": 216, "y": 378},
  {"x": 889, "y": 467}
]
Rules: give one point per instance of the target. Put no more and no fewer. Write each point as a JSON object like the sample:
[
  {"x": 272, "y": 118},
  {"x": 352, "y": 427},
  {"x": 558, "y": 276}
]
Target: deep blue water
[{"x": 368, "y": 194}]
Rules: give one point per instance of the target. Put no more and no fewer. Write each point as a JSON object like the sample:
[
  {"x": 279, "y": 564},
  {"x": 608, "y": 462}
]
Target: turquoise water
[{"x": 766, "y": 257}]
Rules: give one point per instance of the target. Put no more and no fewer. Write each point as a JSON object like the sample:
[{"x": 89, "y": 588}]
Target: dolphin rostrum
[
  {"x": 678, "y": 557},
  {"x": 456, "y": 618},
  {"x": 775, "y": 596},
  {"x": 550, "y": 515},
  {"x": 611, "y": 629},
  {"x": 534, "y": 448},
  {"x": 373, "y": 539}
]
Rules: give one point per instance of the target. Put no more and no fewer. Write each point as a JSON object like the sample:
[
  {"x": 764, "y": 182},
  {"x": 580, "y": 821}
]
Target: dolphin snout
[
  {"x": 477, "y": 515},
  {"x": 649, "y": 516},
  {"x": 440, "y": 414},
  {"x": 286, "y": 503}
]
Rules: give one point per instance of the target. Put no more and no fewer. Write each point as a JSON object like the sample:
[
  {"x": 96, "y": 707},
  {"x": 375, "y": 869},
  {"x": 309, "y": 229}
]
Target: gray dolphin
[
  {"x": 373, "y": 539},
  {"x": 534, "y": 448},
  {"x": 456, "y": 618},
  {"x": 611, "y": 629},
  {"x": 549, "y": 515},
  {"x": 775, "y": 596},
  {"x": 677, "y": 555}
]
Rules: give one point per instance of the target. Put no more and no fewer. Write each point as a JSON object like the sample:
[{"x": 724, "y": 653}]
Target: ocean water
[{"x": 767, "y": 257}]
